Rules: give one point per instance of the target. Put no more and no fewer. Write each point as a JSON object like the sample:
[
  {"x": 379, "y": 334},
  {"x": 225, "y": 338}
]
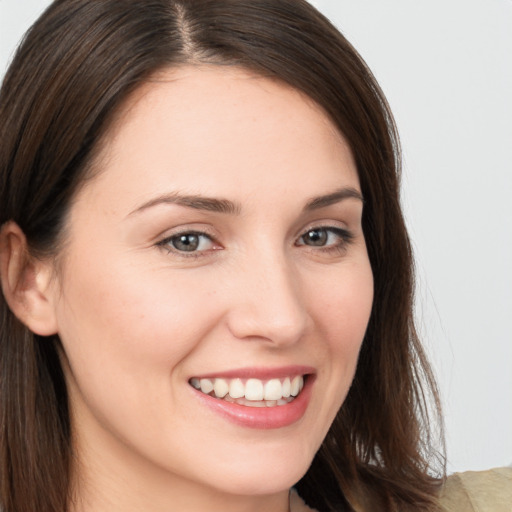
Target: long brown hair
[{"x": 73, "y": 70}]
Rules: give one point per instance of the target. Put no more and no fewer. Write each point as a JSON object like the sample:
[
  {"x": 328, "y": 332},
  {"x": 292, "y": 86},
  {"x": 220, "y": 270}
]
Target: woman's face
[{"x": 219, "y": 246}]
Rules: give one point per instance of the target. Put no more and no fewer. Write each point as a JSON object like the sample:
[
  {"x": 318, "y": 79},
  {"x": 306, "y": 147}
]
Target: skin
[{"x": 138, "y": 318}]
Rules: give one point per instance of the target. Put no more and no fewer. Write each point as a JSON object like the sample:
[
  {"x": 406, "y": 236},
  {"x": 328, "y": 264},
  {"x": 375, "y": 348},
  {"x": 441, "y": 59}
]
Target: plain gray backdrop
[{"x": 446, "y": 68}]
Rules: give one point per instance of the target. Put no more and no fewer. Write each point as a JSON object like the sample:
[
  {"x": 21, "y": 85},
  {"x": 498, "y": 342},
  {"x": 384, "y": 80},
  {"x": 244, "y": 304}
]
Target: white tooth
[
  {"x": 271, "y": 403},
  {"x": 282, "y": 402},
  {"x": 221, "y": 388},
  {"x": 206, "y": 385},
  {"x": 254, "y": 390},
  {"x": 257, "y": 403},
  {"x": 273, "y": 390},
  {"x": 287, "y": 387},
  {"x": 295, "y": 389},
  {"x": 236, "y": 389},
  {"x": 301, "y": 384},
  {"x": 195, "y": 383}
]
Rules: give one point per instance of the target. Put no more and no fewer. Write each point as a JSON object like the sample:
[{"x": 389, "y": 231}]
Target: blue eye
[
  {"x": 188, "y": 242},
  {"x": 325, "y": 237}
]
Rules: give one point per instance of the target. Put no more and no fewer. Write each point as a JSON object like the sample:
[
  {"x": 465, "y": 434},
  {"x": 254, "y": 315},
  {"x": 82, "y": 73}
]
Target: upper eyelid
[
  {"x": 167, "y": 238},
  {"x": 336, "y": 229},
  {"x": 326, "y": 224},
  {"x": 173, "y": 232}
]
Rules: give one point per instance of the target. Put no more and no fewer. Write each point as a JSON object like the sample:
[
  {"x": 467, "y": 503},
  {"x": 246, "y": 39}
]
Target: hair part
[{"x": 73, "y": 71}]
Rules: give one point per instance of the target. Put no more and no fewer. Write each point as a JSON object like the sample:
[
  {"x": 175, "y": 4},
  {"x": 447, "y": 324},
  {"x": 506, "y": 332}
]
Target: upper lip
[{"x": 262, "y": 373}]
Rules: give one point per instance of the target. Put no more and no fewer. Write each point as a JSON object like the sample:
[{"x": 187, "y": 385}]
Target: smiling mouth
[{"x": 252, "y": 392}]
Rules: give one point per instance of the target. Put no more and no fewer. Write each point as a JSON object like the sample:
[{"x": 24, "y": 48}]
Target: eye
[
  {"x": 326, "y": 237},
  {"x": 188, "y": 242}
]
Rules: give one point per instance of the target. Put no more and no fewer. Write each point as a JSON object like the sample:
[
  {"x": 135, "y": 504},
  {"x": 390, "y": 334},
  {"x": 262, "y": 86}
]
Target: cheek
[
  {"x": 343, "y": 311},
  {"x": 344, "y": 307},
  {"x": 126, "y": 332},
  {"x": 127, "y": 321}
]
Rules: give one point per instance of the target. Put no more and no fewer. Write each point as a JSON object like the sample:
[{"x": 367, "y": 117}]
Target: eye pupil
[
  {"x": 187, "y": 242},
  {"x": 316, "y": 237}
]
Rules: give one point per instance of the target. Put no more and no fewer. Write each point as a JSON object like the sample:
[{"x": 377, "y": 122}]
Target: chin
[{"x": 262, "y": 476}]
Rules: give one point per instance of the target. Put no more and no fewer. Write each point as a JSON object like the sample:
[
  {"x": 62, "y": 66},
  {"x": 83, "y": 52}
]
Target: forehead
[{"x": 198, "y": 129}]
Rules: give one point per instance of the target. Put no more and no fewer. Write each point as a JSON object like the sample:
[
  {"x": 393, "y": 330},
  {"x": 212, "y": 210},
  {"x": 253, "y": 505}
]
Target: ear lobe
[{"x": 26, "y": 282}]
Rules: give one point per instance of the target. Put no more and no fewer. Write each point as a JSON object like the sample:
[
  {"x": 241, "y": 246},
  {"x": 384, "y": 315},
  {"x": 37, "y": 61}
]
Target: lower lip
[{"x": 278, "y": 416}]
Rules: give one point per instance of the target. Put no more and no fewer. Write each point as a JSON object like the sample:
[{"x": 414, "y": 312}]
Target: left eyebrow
[
  {"x": 196, "y": 202},
  {"x": 335, "y": 197}
]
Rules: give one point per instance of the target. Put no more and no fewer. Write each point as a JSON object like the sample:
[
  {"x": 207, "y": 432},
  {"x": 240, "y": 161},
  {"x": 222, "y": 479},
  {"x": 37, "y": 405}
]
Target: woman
[{"x": 207, "y": 282}]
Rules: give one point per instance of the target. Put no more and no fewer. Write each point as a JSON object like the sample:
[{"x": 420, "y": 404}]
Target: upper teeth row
[{"x": 252, "y": 389}]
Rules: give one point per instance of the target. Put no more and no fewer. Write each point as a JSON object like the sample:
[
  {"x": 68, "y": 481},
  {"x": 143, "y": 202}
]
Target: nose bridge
[{"x": 269, "y": 302}]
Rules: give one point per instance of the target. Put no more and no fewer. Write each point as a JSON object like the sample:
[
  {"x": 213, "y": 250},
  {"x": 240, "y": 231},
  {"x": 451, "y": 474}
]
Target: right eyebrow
[
  {"x": 335, "y": 197},
  {"x": 196, "y": 202}
]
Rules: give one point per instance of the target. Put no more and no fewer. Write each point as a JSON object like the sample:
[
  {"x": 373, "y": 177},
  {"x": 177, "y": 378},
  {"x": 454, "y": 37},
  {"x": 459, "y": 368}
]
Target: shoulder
[{"x": 478, "y": 491}]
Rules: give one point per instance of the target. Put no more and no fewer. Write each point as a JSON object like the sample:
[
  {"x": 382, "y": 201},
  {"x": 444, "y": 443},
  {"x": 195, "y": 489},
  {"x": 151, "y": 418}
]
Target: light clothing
[
  {"x": 478, "y": 491},
  {"x": 472, "y": 491}
]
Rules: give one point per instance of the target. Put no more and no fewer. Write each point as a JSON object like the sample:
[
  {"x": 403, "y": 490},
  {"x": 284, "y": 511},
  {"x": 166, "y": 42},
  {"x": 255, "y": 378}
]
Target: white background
[{"x": 446, "y": 68}]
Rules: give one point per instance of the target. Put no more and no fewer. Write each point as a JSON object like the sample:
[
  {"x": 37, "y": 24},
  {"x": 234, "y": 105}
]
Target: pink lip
[
  {"x": 261, "y": 417},
  {"x": 260, "y": 373}
]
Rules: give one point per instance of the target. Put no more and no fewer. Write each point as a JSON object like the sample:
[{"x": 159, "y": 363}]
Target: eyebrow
[
  {"x": 225, "y": 206},
  {"x": 337, "y": 196},
  {"x": 196, "y": 202}
]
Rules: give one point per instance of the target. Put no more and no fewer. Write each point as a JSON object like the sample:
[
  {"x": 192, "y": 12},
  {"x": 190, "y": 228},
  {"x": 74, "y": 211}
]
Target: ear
[{"x": 26, "y": 282}]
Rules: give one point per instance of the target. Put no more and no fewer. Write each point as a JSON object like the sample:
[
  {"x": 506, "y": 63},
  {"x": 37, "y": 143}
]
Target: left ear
[{"x": 26, "y": 282}]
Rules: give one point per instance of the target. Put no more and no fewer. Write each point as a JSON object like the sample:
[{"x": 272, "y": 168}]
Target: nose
[{"x": 267, "y": 302}]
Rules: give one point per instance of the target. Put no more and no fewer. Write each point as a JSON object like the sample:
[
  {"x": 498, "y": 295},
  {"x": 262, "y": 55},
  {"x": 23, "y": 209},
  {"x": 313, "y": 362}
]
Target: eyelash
[
  {"x": 166, "y": 244},
  {"x": 345, "y": 238}
]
